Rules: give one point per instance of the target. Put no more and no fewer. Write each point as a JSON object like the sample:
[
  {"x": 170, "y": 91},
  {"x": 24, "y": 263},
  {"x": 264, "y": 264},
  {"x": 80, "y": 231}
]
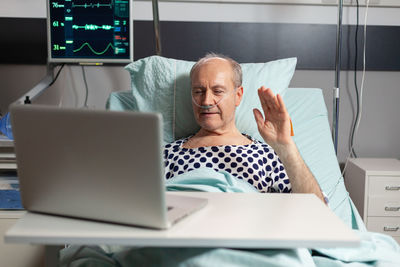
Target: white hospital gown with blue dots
[{"x": 257, "y": 163}]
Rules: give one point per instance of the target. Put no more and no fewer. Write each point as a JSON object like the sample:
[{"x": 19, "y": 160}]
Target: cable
[
  {"x": 359, "y": 97},
  {"x": 357, "y": 123},
  {"x": 351, "y": 144},
  {"x": 60, "y": 103},
  {"x": 174, "y": 107},
  {"x": 86, "y": 87},
  {"x": 58, "y": 73}
]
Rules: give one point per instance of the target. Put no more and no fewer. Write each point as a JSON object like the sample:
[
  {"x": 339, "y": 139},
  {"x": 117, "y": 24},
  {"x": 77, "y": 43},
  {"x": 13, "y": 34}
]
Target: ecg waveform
[
  {"x": 94, "y": 51},
  {"x": 93, "y": 27},
  {"x": 92, "y": 5}
]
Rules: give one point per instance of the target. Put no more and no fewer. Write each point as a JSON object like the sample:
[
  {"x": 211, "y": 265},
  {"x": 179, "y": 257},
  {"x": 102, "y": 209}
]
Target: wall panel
[{"x": 24, "y": 42}]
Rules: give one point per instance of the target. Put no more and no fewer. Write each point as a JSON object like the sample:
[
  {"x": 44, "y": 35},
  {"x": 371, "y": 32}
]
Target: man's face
[{"x": 212, "y": 84}]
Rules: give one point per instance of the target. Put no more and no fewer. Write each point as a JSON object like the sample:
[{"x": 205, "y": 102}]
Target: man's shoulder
[
  {"x": 176, "y": 143},
  {"x": 256, "y": 142}
]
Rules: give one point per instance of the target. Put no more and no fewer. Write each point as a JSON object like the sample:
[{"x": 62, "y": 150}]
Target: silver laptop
[{"x": 101, "y": 165}]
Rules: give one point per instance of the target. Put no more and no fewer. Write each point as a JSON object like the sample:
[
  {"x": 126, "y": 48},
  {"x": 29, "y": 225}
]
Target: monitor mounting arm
[{"x": 40, "y": 87}]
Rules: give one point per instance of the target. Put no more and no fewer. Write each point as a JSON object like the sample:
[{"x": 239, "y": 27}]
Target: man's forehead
[
  {"x": 217, "y": 71},
  {"x": 215, "y": 65},
  {"x": 215, "y": 59}
]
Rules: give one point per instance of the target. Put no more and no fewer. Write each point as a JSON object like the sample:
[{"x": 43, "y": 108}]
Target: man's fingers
[
  {"x": 263, "y": 102},
  {"x": 270, "y": 99},
  {"x": 258, "y": 117},
  {"x": 281, "y": 103}
]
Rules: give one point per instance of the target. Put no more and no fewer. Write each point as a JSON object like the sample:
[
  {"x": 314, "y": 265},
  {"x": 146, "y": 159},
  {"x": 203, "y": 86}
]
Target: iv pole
[
  {"x": 336, "y": 89},
  {"x": 156, "y": 23}
]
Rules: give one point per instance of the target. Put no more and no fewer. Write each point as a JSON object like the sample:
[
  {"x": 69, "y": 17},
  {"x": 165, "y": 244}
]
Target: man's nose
[{"x": 208, "y": 98}]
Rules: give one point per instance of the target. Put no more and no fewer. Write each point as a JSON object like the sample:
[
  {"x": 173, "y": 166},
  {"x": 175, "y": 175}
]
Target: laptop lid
[{"x": 102, "y": 165}]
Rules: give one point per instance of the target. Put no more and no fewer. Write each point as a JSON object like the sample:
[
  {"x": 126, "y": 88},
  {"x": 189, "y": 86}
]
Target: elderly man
[{"x": 273, "y": 166}]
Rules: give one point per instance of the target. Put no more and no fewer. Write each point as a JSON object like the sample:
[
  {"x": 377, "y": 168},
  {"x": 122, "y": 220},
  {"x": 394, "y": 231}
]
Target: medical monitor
[{"x": 90, "y": 31}]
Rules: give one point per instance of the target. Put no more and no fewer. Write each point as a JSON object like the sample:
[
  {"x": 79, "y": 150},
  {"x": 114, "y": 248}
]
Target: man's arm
[
  {"x": 300, "y": 176},
  {"x": 275, "y": 129}
]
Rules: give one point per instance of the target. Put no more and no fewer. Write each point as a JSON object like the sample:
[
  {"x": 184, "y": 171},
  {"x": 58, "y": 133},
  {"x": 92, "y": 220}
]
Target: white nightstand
[
  {"x": 374, "y": 187},
  {"x": 17, "y": 255}
]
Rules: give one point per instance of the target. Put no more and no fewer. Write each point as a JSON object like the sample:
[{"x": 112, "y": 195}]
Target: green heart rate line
[
  {"x": 92, "y": 5},
  {"x": 93, "y": 27},
  {"x": 94, "y": 52}
]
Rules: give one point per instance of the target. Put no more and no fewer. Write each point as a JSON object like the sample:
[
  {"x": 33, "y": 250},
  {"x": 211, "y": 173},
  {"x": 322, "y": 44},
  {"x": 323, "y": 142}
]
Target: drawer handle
[
  {"x": 392, "y": 208},
  {"x": 392, "y": 188},
  {"x": 390, "y": 229}
]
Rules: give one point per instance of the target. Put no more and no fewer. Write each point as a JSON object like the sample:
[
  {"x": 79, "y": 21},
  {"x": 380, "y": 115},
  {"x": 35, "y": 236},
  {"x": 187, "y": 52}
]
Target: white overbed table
[{"x": 235, "y": 220}]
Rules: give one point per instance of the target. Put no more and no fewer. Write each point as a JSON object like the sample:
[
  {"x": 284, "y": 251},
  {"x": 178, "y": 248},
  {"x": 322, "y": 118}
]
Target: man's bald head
[{"x": 236, "y": 69}]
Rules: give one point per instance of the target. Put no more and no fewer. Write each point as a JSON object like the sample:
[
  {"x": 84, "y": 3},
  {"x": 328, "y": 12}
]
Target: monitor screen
[{"x": 90, "y": 31}]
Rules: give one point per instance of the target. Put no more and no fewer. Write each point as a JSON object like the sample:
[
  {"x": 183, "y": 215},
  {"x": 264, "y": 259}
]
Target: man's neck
[{"x": 204, "y": 138}]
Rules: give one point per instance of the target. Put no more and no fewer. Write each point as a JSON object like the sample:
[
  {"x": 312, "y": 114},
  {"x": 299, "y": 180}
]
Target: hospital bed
[{"x": 162, "y": 85}]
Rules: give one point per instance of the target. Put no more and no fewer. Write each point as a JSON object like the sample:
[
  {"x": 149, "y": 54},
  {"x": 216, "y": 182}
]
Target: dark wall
[{"x": 23, "y": 41}]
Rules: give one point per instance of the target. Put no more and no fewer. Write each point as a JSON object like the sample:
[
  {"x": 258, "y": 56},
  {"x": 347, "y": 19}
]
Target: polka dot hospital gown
[{"x": 257, "y": 163}]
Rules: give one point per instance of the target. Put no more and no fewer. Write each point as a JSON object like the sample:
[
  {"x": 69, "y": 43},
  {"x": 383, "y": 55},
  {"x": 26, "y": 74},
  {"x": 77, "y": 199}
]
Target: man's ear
[{"x": 238, "y": 95}]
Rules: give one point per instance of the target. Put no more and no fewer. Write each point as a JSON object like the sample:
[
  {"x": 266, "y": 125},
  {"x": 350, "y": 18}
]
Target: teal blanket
[{"x": 375, "y": 249}]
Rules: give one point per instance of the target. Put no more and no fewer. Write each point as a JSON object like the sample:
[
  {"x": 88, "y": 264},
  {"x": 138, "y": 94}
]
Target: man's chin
[
  {"x": 209, "y": 114},
  {"x": 209, "y": 126}
]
